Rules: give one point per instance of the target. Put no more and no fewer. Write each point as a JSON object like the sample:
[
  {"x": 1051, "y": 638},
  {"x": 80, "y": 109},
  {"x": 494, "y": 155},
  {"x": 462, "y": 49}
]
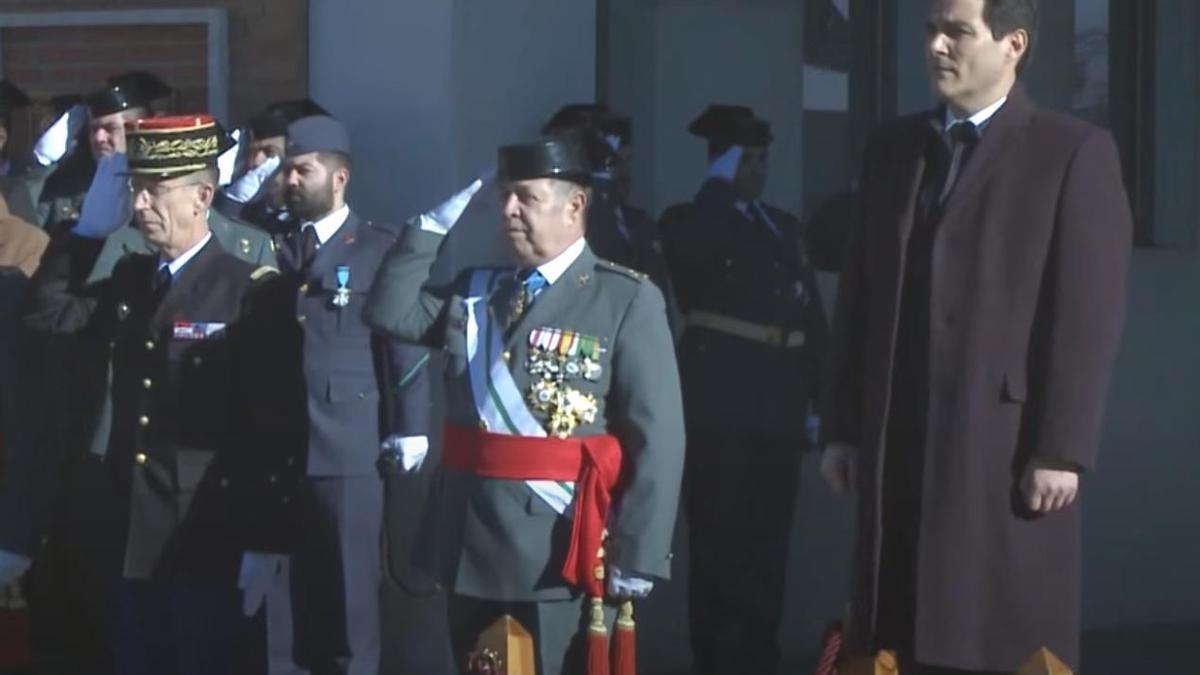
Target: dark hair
[
  {"x": 1006, "y": 16},
  {"x": 333, "y": 159}
]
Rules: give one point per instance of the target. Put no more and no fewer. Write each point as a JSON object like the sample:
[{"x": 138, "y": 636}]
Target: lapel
[
  {"x": 560, "y": 294},
  {"x": 911, "y": 165},
  {"x": 1000, "y": 136},
  {"x": 187, "y": 283}
]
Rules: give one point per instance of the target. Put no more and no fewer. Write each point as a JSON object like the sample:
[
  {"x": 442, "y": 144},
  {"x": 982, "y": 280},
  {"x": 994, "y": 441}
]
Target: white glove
[
  {"x": 55, "y": 142},
  {"x": 441, "y": 218},
  {"x": 411, "y": 450},
  {"x": 12, "y": 566},
  {"x": 227, "y": 162},
  {"x": 256, "y": 577},
  {"x": 245, "y": 188},
  {"x": 726, "y": 166},
  {"x": 108, "y": 205},
  {"x": 623, "y": 587}
]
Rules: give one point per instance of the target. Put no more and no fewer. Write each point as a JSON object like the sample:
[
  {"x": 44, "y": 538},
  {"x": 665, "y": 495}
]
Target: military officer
[
  {"x": 750, "y": 359},
  {"x": 617, "y": 231},
  {"x": 201, "y": 465},
  {"x": 561, "y": 362},
  {"x": 363, "y": 393},
  {"x": 257, "y": 194}
]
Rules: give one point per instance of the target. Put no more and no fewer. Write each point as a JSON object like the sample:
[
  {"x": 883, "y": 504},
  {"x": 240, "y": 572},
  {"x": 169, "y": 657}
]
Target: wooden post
[{"x": 503, "y": 648}]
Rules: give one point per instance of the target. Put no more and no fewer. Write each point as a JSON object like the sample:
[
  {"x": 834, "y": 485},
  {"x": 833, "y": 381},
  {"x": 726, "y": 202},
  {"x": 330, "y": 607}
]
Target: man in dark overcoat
[{"x": 978, "y": 319}]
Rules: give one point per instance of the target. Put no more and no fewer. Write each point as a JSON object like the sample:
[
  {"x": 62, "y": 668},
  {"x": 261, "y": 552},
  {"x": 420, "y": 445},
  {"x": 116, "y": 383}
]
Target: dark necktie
[
  {"x": 963, "y": 136},
  {"x": 308, "y": 248},
  {"x": 161, "y": 280}
]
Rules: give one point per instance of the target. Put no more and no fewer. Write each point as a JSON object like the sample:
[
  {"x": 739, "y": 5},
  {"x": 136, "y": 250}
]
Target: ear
[
  {"x": 204, "y": 196},
  {"x": 341, "y": 176},
  {"x": 1017, "y": 43},
  {"x": 577, "y": 203}
]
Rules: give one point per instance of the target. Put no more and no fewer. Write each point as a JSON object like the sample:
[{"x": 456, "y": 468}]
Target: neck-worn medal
[{"x": 341, "y": 297}]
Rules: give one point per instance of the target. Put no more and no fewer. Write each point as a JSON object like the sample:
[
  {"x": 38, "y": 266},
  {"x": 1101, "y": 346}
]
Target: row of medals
[{"x": 556, "y": 359}]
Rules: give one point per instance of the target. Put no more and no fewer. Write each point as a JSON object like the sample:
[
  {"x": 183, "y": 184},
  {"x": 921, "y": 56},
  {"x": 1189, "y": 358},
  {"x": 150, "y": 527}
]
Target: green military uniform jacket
[{"x": 497, "y": 538}]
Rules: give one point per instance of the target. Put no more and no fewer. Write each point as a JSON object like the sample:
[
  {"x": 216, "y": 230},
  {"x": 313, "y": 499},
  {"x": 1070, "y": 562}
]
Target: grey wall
[{"x": 430, "y": 89}]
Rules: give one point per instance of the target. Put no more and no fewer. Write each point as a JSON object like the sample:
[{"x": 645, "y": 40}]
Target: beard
[{"x": 309, "y": 204}]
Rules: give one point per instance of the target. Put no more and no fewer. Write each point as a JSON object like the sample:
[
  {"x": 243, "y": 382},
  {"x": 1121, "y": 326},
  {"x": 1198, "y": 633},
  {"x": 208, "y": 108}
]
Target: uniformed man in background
[
  {"x": 617, "y": 231},
  {"x": 749, "y": 359},
  {"x": 560, "y": 362},
  {"x": 202, "y": 465}
]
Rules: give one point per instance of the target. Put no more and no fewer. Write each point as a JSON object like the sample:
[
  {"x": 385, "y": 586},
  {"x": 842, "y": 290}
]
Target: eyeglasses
[{"x": 156, "y": 189}]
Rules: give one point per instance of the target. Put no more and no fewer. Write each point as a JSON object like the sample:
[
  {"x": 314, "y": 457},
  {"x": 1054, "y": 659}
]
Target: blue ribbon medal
[{"x": 341, "y": 297}]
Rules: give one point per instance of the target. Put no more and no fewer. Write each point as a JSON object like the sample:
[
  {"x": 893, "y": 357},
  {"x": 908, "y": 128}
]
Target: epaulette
[
  {"x": 392, "y": 231},
  {"x": 620, "y": 269},
  {"x": 262, "y": 272}
]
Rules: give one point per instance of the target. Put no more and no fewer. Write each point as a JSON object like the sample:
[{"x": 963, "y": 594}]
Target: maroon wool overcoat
[{"x": 1027, "y": 302}]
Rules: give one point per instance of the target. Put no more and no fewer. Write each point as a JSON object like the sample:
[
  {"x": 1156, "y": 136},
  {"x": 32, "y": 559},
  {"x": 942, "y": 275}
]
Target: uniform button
[
  {"x": 112, "y": 344},
  {"x": 287, "y": 500},
  {"x": 149, "y": 345},
  {"x": 147, "y": 384},
  {"x": 272, "y": 479},
  {"x": 143, "y": 421},
  {"x": 197, "y": 361},
  {"x": 483, "y": 425},
  {"x": 301, "y": 318},
  {"x": 140, "y": 458},
  {"x": 507, "y": 356},
  {"x": 291, "y": 461},
  {"x": 303, "y": 289},
  {"x": 224, "y": 482}
]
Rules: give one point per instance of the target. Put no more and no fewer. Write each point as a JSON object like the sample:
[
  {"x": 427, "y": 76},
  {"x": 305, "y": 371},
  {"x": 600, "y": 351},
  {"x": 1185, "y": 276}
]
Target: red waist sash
[{"x": 592, "y": 462}]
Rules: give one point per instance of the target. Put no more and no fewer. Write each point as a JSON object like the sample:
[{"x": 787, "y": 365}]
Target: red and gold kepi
[{"x": 166, "y": 147}]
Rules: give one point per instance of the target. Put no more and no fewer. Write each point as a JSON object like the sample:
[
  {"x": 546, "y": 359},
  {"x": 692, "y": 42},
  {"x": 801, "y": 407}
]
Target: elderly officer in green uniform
[
  {"x": 201, "y": 464},
  {"x": 749, "y": 359},
  {"x": 562, "y": 395}
]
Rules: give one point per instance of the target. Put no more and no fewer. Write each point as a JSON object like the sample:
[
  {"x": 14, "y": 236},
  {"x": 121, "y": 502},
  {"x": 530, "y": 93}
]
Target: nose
[
  {"x": 512, "y": 206},
  {"x": 292, "y": 178},
  {"x": 141, "y": 199},
  {"x": 938, "y": 44}
]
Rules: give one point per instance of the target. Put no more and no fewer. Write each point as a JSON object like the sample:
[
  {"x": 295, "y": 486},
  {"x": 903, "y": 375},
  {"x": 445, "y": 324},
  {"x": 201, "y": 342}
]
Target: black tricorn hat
[
  {"x": 11, "y": 97},
  {"x": 148, "y": 85},
  {"x": 723, "y": 124},
  {"x": 593, "y": 116},
  {"x": 564, "y": 157},
  {"x": 274, "y": 120},
  {"x": 166, "y": 147},
  {"x": 114, "y": 99}
]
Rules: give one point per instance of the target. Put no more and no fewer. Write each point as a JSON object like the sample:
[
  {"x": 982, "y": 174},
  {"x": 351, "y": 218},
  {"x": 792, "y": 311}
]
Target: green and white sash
[{"x": 498, "y": 401}]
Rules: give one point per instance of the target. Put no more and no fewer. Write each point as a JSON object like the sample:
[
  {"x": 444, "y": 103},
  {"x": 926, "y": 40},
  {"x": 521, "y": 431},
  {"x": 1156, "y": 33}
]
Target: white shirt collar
[
  {"x": 173, "y": 266},
  {"x": 978, "y": 119},
  {"x": 554, "y": 269},
  {"x": 329, "y": 225}
]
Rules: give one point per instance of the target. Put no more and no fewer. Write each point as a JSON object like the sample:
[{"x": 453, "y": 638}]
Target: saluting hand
[
  {"x": 1049, "y": 487},
  {"x": 839, "y": 467}
]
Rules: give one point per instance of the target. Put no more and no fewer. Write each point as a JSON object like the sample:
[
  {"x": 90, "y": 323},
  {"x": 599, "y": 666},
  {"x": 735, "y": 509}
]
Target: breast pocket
[{"x": 349, "y": 388}]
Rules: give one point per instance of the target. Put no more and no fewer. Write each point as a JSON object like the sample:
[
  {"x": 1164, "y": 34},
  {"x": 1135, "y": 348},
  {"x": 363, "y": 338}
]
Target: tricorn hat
[
  {"x": 564, "y": 157},
  {"x": 114, "y": 99},
  {"x": 148, "y": 86},
  {"x": 723, "y": 124},
  {"x": 167, "y": 147},
  {"x": 274, "y": 120}
]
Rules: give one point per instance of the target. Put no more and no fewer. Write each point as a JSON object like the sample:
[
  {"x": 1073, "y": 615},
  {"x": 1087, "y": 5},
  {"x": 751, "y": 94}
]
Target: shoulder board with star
[
  {"x": 261, "y": 272},
  {"x": 605, "y": 265}
]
